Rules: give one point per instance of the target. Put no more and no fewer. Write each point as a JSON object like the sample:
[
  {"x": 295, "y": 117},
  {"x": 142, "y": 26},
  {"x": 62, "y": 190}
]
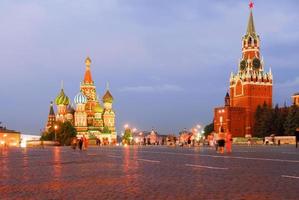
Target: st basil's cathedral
[
  {"x": 250, "y": 87},
  {"x": 89, "y": 116}
]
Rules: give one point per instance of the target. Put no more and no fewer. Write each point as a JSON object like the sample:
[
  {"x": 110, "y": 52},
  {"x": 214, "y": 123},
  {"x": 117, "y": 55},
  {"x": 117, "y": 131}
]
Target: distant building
[
  {"x": 9, "y": 137},
  {"x": 250, "y": 87},
  {"x": 185, "y": 136},
  {"x": 295, "y": 98},
  {"x": 90, "y": 117},
  {"x": 148, "y": 137}
]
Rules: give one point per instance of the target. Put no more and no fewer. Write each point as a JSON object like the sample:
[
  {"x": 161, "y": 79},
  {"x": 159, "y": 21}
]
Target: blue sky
[{"x": 167, "y": 61}]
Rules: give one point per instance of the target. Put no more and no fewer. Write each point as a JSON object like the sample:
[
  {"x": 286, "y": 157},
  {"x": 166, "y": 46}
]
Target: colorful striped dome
[
  {"x": 62, "y": 99},
  {"x": 80, "y": 98}
]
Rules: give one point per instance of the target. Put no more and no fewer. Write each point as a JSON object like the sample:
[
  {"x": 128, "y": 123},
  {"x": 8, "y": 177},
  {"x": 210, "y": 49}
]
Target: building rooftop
[{"x": 5, "y": 130}]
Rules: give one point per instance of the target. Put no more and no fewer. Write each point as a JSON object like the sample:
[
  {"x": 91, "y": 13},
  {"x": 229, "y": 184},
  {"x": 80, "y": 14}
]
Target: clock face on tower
[
  {"x": 256, "y": 63},
  {"x": 243, "y": 64}
]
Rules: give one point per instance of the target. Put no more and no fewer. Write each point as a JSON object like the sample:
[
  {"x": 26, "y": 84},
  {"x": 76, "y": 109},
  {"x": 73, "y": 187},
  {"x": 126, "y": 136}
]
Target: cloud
[{"x": 158, "y": 88}]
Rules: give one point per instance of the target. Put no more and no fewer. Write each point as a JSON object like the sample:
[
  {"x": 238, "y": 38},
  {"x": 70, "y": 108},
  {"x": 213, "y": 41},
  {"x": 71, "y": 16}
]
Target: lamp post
[
  {"x": 5, "y": 140},
  {"x": 55, "y": 129}
]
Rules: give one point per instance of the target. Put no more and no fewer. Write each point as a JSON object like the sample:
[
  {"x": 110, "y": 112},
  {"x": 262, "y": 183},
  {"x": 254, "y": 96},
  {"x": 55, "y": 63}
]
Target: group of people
[
  {"x": 81, "y": 143},
  {"x": 222, "y": 140}
]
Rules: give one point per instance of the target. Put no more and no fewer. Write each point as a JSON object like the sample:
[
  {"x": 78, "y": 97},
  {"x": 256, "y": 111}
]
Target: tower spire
[
  {"x": 87, "y": 76},
  {"x": 250, "y": 26},
  {"x": 51, "y": 112}
]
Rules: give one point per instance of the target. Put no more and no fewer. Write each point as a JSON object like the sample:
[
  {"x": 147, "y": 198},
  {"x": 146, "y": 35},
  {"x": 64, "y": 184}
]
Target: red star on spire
[{"x": 251, "y": 4}]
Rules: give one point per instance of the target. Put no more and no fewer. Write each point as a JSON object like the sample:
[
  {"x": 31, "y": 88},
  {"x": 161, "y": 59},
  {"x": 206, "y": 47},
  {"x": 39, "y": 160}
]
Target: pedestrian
[
  {"x": 297, "y": 137},
  {"x": 215, "y": 139},
  {"x": 228, "y": 142},
  {"x": 80, "y": 143},
  {"x": 189, "y": 142},
  {"x": 84, "y": 143},
  {"x": 249, "y": 142},
  {"x": 221, "y": 141},
  {"x": 74, "y": 143}
]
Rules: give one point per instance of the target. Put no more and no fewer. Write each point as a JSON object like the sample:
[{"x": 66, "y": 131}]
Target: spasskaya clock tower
[{"x": 250, "y": 87}]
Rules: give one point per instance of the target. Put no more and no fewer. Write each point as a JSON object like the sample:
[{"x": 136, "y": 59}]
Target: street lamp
[
  {"x": 55, "y": 129},
  {"x": 126, "y": 126}
]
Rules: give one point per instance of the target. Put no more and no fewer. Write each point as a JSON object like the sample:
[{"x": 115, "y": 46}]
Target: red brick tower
[
  {"x": 249, "y": 87},
  {"x": 51, "y": 118}
]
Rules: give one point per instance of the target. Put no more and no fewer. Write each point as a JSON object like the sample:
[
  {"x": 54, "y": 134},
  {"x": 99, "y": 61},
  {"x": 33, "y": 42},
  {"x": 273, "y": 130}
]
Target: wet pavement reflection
[{"x": 149, "y": 173}]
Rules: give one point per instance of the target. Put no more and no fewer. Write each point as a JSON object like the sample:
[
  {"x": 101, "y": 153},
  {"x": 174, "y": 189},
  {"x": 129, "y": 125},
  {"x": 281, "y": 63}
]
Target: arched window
[{"x": 249, "y": 41}]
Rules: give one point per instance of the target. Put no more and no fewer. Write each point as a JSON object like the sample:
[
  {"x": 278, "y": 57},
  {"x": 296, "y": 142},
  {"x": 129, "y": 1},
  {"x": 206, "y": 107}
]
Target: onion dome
[
  {"x": 62, "y": 99},
  {"x": 80, "y": 98},
  {"x": 107, "y": 98},
  {"x": 70, "y": 109},
  {"x": 98, "y": 108}
]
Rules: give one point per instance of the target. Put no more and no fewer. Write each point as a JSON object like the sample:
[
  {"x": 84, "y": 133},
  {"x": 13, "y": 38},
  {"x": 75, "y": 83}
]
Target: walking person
[
  {"x": 221, "y": 141},
  {"x": 84, "y": 143},
  {"x": 80, "y": 143},
  {"x": 215, "y": 139},
  {"x": 74, "y": 143},
  {"x": 228, "y": 142}
]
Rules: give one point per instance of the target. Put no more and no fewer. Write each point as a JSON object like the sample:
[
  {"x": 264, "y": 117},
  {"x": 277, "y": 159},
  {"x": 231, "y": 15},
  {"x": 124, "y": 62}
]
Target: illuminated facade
[
  {"x": 89, "y": 117},
  {"x": 9, "y": 137},
  {"x": 295, "y": 99},
  {"x": 249, "y": 87}
]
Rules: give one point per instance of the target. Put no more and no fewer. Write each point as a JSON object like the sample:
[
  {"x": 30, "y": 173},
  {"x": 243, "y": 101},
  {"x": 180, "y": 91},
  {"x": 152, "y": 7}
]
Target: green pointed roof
[{"x": 108, "y": 97}]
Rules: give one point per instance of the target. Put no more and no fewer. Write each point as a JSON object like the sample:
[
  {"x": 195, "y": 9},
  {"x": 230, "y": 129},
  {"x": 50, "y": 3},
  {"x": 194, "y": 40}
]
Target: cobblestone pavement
[{"x": 154, "y": 172}]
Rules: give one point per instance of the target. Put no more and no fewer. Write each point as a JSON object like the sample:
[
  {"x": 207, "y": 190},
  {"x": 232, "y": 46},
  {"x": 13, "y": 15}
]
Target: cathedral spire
[{"x": 87, "y": 76}]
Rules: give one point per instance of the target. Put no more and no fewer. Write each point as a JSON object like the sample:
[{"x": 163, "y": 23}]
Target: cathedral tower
[
  {"x": 89, "y": 90},
  {"x": 80, "y": 114},
  {"x": 108, "y": 115},
  {"x": 62, "y": 101}
]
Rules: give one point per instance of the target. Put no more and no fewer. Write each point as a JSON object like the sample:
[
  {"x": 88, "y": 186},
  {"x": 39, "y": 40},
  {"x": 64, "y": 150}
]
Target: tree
[
  {"x": 257, "y": 127},
  {"x": 64, "y": 133},
  {"x": 292, "y": 120},
  {"x": 280, "y": 120},
  {"x": 127, "y": 136},
  {"x": 263, "y": 121},
  {"x": 209, "y": 129}
]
